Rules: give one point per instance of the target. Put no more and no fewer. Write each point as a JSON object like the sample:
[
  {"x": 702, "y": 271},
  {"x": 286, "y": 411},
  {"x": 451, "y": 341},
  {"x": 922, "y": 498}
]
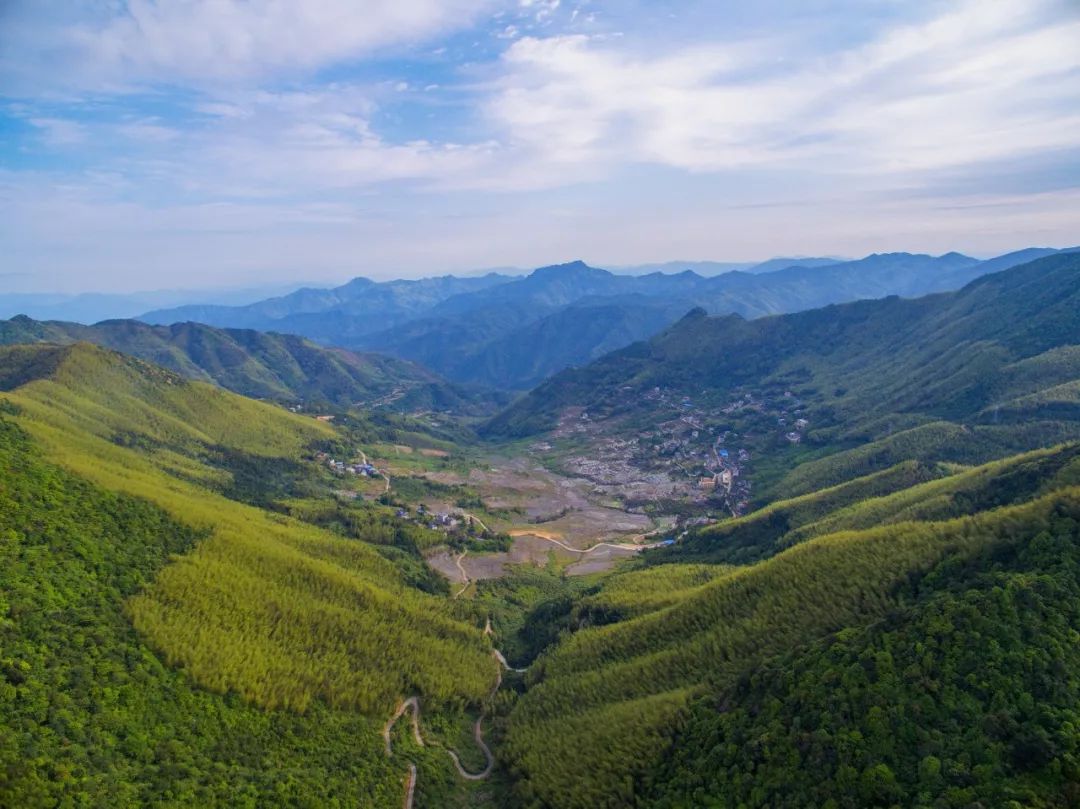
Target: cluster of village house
[
  {"x": 422, "y": 515},
  {"x": 343, "y": 468},
  {"x": 693, "y": 454},
  {"x": 432, "y": 519}
]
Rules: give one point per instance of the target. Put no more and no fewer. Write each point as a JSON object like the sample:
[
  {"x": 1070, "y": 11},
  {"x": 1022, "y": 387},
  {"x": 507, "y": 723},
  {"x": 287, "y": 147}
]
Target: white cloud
[
  {"x": 989, "y": 79},
  {"x": 630, "y": 148},
  {"x": 100, "y": 45},
  {"x": 59, "y": 131}
]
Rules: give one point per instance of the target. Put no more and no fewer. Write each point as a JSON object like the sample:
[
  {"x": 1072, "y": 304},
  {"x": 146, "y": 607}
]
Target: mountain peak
[{"x": 572, "y": 268}]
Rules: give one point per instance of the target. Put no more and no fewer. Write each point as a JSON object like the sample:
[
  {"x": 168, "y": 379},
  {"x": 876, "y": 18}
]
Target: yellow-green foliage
[
  {"x": 1053, "y": 367},
  {"x": 105, "y": 393},
  {"x": 589, "y": 689},
  {"x": 637, "y": 592},
  {"x": 1059, "y": 401},
  {"x": 278, "y": 611},
  {"x": 923, "y": 441},
  {"x": 759, "y": 534},
  {"x": 997, "y": 483}
]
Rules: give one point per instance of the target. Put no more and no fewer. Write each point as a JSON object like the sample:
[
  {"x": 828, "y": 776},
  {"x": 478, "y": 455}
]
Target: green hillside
[
  {"x": 89, "y": 715},
  {"x": 605, "y": 705},
  {"x": 281, "y": 367},
  {"x": 297, "y": 608},
  {"x": 963, "y": 697},
  {"x": 949, "y": 356},
  {"x": 908, "y": 491}
]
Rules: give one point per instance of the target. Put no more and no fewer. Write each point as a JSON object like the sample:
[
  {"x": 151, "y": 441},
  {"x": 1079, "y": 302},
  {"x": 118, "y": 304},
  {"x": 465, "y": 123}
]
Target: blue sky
[{"x": 199, "y": 143}]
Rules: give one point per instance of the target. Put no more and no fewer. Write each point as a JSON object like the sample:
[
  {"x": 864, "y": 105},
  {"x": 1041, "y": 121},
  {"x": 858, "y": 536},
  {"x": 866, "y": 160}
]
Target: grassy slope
[
  {"x": 607, "y": 701},
  {"x": 275, "y": 366},
  {"x": 89, "y": 715},
  {"x": 267, "y": 607}
]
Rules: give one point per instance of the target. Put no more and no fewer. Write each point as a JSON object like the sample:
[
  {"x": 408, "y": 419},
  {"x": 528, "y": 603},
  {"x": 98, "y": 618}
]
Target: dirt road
[{"x": 413, "y": 704}]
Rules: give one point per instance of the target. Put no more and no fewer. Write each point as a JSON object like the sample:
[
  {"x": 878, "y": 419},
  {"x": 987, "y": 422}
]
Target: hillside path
[{"x": 413, "y": 704}]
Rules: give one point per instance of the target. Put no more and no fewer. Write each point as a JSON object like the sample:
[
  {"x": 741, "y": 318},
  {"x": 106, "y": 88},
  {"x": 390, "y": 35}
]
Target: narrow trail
[
  {"x": 505, "y": 665},
  {"x": 383, "y": 475},
  {"x": 623, "y": 546},
  {"x": 410, "y": 787},
  {"x": 465, "y": 580},
  {"x": 413, "y": 704},
  {"x": 475, "y": 519}
]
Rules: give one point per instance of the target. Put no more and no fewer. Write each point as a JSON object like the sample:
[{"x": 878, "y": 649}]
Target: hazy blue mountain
[
  {"x": 369, "y": 305},
  {"x": 993, "y": 351},
  {"x": 511, "y": 335},
  {"x": 671, "y": 267},
  {"x": 93, "y": 307},
  {"x": 511, "y": 332},
  {"x": 782, "y": 263}
]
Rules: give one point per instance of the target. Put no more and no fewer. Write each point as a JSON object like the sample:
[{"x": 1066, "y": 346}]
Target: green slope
[
  {"x": 278, "y": 611},
  {"x": 606, "y": 703},
  {"x": 89, "y": 715},
  {"x": 282, "y": 367},
  {"x": 965, "y": 697},
  {"x": 908, "y": 491}
]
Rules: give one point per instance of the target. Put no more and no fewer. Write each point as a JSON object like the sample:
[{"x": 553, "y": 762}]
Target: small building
[{"x": 707, "y": 483}]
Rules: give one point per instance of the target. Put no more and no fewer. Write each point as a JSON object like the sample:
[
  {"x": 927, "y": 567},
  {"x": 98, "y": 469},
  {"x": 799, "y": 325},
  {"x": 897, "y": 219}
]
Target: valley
[
  {"x": 529, "y": 404},
  {"x": 587, "y": 599}
]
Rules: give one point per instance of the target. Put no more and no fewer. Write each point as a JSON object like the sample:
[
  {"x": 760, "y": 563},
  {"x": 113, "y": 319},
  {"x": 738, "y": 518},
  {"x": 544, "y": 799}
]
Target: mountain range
[
  {"x": 510, "y": 333},
  {"x": 961, "y": 376},
  {"x": 197, "y": 604},
  {"x": 282, "y": 367},
  {"x": 92, "y": 307}
]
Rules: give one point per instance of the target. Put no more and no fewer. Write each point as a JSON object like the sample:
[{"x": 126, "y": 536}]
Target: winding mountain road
[{"x": 413, "y": 704}]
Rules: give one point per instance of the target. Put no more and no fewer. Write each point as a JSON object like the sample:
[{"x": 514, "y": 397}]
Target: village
[
  {"x": 692, "y": 460},
  {"x": 460, "y": 526}
]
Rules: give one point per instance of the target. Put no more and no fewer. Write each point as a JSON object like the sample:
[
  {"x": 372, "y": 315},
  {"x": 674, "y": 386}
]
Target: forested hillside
[
  {"x": 263, "y": 607},
  {"x": 967, "y": 376},
  {"x": 964, "y": 696},
  {"x": 281, "y": 367},
  {"x": 626, "y": 713},
  {"x": 90, "y": 716}
]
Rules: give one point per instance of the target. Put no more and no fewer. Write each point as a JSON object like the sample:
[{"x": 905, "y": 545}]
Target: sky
[{"x": 163, "y": 144}]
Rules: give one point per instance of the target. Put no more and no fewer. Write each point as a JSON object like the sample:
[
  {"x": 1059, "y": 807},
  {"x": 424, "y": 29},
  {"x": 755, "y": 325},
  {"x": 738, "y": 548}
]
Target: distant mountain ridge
[
  {"x": 92, "y": 307},
  {"x": 373, "y": 305},
  {"x": 496, "y": 330},
  {"x": 1005, "y": 349},
  {"x": 262, "y": 365}
]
